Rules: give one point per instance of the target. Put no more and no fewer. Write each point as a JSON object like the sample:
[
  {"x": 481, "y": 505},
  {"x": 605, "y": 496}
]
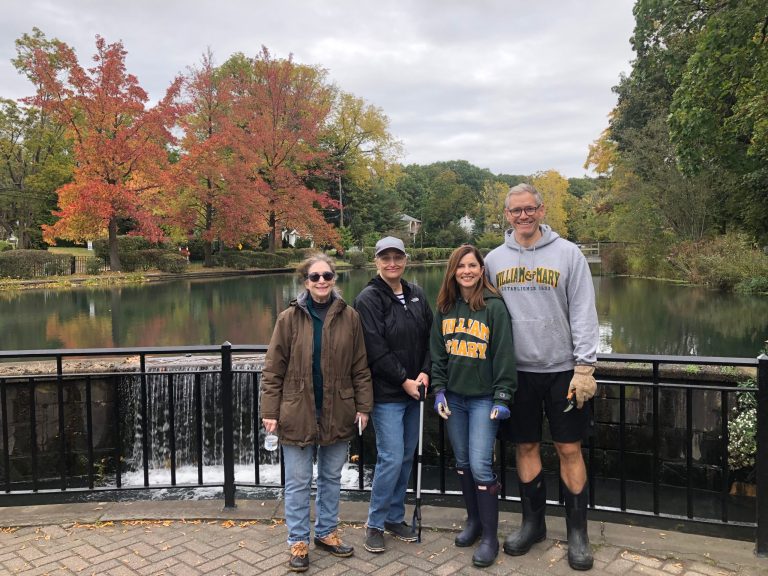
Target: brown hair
[
  {"x": 449, "y": 289},
  {"x": 303, "y": 269}
]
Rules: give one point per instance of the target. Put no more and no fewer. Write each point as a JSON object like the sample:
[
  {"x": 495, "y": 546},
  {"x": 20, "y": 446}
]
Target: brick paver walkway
[
  {"x": 223, "y": 548},
  {"x": 220, "y": 547}
]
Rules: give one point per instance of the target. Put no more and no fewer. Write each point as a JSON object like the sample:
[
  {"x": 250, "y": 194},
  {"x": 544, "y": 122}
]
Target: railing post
[
  {"x": 761, "y": 458},
  {"x": 228, "y": 439}
]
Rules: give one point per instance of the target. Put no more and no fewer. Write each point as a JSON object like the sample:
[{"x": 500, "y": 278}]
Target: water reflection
[{"x": 636, "y": 316}]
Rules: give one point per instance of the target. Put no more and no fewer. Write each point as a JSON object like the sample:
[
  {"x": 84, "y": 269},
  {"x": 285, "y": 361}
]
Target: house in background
[
  {"x": 291, "y": 236},
  {"x": 412, "y": 226},
  {"x": 467, "y": 223}
]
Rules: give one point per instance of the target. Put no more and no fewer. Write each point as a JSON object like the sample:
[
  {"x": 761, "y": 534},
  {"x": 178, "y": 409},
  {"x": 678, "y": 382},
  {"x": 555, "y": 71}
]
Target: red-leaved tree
[
  {"x": 210, "y": 205},
  {"x": 120, "y": 145},
  {"x": 280, "y": 109}
]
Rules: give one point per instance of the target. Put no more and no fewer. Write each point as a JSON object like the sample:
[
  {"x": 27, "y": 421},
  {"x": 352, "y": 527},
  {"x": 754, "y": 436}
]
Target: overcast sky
[{"x": 515, "y": 86}]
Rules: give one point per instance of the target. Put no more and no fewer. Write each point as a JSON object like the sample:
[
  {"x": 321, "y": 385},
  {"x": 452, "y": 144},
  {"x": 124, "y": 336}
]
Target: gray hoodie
[{"x": 549, "y": 293}]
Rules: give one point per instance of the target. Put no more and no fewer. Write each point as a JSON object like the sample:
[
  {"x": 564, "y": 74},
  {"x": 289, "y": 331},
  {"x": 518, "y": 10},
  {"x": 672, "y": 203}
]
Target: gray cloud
[{"x": 510, "y": 85}]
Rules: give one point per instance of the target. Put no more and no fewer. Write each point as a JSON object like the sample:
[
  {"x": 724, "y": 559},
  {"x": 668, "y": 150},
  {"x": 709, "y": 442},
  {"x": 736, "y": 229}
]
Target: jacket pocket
[
  {"x": 345, "y": 411},
  {"x": 294, "y": 423}
]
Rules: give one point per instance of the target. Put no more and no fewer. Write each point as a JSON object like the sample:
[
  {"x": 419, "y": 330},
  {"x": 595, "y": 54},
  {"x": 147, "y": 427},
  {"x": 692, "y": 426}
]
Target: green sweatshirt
[{"x": 472, "y": 352}]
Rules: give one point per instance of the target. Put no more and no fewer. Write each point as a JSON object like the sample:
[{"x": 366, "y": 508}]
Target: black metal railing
[{"x": 76, "y": 421}]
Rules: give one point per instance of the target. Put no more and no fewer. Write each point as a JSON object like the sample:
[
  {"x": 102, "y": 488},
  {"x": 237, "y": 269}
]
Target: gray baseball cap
[{"x": 389, "y": 243}]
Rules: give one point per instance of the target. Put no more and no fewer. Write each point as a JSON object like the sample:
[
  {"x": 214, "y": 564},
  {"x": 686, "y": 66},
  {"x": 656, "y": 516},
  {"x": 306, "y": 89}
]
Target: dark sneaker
[
  {"x": 333, "y": 544},
  {"x": 400, "y": 531},
  {"x": 374, "y": 540},
  {"x": 299, "y": 561}
]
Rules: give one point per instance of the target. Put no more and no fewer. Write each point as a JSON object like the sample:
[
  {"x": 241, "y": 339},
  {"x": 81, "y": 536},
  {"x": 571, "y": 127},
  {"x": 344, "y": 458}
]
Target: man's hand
[
  {"x": 499, "y": 412},
  {"x": 441, "y": 405},
  {"x": 424, "y": 379},
  {"x": 583, "y": 384}
]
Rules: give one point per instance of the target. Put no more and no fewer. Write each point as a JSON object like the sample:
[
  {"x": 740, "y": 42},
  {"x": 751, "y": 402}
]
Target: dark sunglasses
[{"x": 315, "y": 276}]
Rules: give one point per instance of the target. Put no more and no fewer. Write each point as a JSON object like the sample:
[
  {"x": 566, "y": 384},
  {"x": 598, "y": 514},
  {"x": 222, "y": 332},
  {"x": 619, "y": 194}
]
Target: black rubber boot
[
  {"x": 579, "y": 550},
  {"x": 533, "y": 497},
  {"x": 472, "y": 527},
  {"x": 488, "y": 508}
]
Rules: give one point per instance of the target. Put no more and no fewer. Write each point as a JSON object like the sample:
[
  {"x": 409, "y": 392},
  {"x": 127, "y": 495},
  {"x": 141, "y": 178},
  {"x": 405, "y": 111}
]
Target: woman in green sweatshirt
[{"x": 474, "y": 379}]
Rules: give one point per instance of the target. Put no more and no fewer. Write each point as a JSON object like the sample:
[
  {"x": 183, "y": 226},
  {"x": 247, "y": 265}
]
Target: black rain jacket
[{"x": 396, "y": 336}]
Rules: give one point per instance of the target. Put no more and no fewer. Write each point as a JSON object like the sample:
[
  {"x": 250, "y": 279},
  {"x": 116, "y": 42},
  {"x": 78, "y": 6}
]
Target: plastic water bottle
[{"x": 270, "y": 442}]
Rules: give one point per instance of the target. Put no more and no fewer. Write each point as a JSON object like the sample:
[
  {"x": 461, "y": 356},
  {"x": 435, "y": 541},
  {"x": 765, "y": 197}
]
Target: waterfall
[{"x": 248, "y": 439}]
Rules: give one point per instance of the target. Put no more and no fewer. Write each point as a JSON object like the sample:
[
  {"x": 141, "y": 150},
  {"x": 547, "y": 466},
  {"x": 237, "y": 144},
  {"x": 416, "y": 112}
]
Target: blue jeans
[
  {"x": 397, "y": 435},
  {"x": 298, "y": 480},
  {"x": 472, "y": 433}
]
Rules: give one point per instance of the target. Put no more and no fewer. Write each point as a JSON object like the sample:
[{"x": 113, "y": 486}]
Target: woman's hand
[
  {"x": 411, "y": 388},
  {"x": 361, "y": 419},
  {"x": 270, "y": 425}
]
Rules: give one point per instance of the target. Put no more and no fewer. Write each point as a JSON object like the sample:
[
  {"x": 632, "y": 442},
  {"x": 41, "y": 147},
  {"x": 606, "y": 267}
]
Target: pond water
[{"x": 636, "y": 316}]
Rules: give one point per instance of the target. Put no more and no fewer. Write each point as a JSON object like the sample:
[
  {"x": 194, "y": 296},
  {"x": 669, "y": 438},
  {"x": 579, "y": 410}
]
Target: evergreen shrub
[
  {"x": 417, "y": 255},
  {"x": 172, "y": 262},
  {"x": 131, "y": 261},
  {"x": 724, "y": 262},
  {"x": 196, "y": 249},
  {"x": 357, "y": 259},
  {"x": 34, "y": 264},
  {"x": 242, "y": 259},
  {"x": 304, "y": 253},
  {"x": 94, "y": 265},
  {"x": 124, "y": 244},
  {"x": 150, "y": 258},
  {"x": 757, "y": 285},
  {"x": 489, "y": 240},
  {"x": 287, "y": 253}
]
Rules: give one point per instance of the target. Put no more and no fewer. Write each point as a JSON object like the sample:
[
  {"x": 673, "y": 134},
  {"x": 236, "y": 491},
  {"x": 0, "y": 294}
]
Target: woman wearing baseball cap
[{"x": 396, "y": 321}]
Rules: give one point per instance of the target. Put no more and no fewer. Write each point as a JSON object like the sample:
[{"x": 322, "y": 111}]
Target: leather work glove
[
  {"x": 441, "y": 405},
  {"x": 583, "y": 384},
  {"x": 499, "y": 412}
]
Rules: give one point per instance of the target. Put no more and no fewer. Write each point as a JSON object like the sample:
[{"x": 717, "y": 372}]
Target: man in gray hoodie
[{"x": 547, "y": 287}]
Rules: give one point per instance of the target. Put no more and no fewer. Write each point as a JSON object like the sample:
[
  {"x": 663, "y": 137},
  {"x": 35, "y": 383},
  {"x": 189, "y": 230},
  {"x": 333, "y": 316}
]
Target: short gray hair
[{"x": 523, "y": 189}]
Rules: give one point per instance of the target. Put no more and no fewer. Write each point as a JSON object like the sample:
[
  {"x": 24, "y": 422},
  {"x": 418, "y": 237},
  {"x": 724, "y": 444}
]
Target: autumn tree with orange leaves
[
  {"x": 211, "y": 202},
  {"x": 120, "y": 146},
  {"x": 280, "y": 109}
]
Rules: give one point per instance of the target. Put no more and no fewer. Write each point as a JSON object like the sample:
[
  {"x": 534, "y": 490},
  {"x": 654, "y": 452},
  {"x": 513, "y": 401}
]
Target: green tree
[
  {"x": 363, "y": 158},
  {"x": 719, "y": 115},
  {"x": 553, "y": 188},
  {"x": 493, "y": 196},
  {"x": 446, "y": 202},
  {"x": 35, "y": 160}
]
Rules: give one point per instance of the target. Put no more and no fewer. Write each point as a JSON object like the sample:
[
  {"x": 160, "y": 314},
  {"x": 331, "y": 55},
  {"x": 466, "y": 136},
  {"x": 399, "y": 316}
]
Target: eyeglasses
[
  {"x": 315, "y": 276},
  {"x": 398, "y": 258},
  {"x": 529, "y": 210}
]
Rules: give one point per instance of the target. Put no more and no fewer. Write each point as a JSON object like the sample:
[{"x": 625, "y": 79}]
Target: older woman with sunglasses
[{"x": 316, "y": 393}]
